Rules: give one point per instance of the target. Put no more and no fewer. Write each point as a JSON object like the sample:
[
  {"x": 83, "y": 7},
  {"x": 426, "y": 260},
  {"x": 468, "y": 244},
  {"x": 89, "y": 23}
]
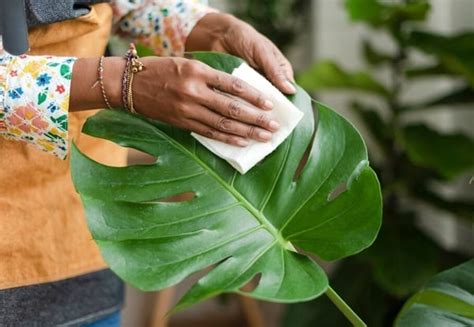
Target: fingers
[
  {"x": 212, "y": 133},
  {"x": 275, "y": 66},
  {"x": 235, "y": 86},
  {"x": 284, "y": 64},
  {"x": 230, "y": 126},
  {"x": 231, "y": 107}
]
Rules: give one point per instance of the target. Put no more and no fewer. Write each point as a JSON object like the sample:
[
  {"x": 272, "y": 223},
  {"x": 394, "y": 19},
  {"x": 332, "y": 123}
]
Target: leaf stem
[{"x": 344, "y": 308}]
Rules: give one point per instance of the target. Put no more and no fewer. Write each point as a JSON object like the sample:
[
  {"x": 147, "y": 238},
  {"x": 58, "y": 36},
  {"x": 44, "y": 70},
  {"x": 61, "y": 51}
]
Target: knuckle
[
  {"x": 237, "y": 85},
  {"x": 224, "y": 124},
  {"x": 182, "y": 110},
  {"x": 193, "y": 67},
  {"x": 218, "y": 81},
  {"x": 232, "y": 140},
  {"x": 260, "y": 100},
  {"x": 235, "y": 109},
  {"x": 287, "y": 69},
  {"x": 210, "y": 133},
  {"x": 262, "y": 120},
  {"x": 278, "y": 74},
  {"x": 189, "y": 90},
  {"x": 251, "y": 131}
]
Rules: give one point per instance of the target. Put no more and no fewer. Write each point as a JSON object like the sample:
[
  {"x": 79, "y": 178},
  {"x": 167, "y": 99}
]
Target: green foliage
[
  {"x": 446, "y": 300},
  {"x": 386, "y": 15},
  {"x": 395, "y": 258},
  {"x": 280, "y": 20},
  {"x": 241, "y": 225},
  {"x": 448, "y": 154},
  {"x": 373, "y": 56},
  {"x": 144, "y": 51},
  {"x": 458, "y": 98},
  {"x": 454, "y": 53},
  {"x": 328, "y": 75},
  {"x": 415, "y": 156}
]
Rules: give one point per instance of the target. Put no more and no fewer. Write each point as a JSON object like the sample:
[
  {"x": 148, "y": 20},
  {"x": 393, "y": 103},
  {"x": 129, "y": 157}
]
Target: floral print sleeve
[
  {"x": 34, "y": 90},
  {"x": 34, "y": 100},
  {"x": 162, "y": 25}
]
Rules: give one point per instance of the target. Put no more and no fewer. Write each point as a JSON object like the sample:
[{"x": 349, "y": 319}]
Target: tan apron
[{"x": 43, "y": 232}]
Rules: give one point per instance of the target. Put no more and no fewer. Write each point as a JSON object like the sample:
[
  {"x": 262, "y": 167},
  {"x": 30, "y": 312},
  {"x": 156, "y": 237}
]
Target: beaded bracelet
[
  {"x": 100, "y": 81},
  {"x": 132, "y": 66}
]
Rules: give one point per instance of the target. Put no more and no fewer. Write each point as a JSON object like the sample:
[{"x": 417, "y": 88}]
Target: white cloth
[{"x": 284, "y": 112}]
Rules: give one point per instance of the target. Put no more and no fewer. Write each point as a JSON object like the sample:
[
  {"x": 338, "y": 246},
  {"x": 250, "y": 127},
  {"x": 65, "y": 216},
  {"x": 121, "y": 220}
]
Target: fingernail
[
  {"x": 268, "y": 104},
  {"x": 242, "y": 143},
  {"x": 265, "y": 135},
  {"x": 274, "y": 125},
  {"x": 290, "y": 87}
]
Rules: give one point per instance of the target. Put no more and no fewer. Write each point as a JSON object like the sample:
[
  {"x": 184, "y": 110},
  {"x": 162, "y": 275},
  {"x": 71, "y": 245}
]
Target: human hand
[
  {"x": 189, "y": 94},
  {"x": 225, "y": 33}
]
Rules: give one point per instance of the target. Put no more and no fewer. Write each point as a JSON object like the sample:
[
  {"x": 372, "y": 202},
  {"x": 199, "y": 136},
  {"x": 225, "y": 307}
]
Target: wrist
[
  {"x": 209, "y": 32},
  {"x": 113, "y": 73}
]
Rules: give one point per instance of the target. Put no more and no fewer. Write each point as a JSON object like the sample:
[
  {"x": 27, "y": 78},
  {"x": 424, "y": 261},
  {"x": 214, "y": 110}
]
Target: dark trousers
[{"x": 70, "y": 302}]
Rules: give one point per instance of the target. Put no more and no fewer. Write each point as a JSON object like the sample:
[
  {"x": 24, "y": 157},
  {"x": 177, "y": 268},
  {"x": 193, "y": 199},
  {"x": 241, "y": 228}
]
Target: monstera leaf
[
  {"x": 263, "y": 223},
  {"x": 446, "y": 300}
]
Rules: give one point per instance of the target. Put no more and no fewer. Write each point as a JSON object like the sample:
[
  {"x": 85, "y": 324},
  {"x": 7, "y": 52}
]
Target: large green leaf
[
  {"x": 447, "y": 154},
  {"x": 447, "y": 300},
  {"x": 241, "y": 225},
  {"x": 328, "y": 75}
]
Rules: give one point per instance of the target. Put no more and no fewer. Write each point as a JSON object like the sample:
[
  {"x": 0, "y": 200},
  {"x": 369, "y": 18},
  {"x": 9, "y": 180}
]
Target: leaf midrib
[{"x": 239, "y": 197}]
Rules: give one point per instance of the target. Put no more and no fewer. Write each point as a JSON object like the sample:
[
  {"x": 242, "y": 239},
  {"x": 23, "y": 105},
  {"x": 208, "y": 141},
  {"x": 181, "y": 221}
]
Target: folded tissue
[{"x": 284, "y": 112}]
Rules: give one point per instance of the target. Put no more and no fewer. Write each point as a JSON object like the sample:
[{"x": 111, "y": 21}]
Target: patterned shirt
[{"x": 34, "y": 90}]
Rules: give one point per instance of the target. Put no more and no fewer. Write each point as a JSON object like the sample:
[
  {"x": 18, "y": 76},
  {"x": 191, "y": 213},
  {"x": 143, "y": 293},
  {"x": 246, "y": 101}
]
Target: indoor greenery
[
  {"x": 314, "y": 196},
  {"x": 446, "y": 300},
  {"x": 280, "y": 20},
  {"x": 416, "y": 158}
]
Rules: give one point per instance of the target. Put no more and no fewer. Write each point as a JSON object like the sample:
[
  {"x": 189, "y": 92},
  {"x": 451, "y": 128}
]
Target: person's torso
[{"x": 44, "y": 233}]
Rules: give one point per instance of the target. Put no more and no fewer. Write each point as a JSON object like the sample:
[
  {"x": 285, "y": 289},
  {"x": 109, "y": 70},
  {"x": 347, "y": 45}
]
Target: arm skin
[
  {"x": 182, "y": 92},
  {"x": 84, "y": 75}
]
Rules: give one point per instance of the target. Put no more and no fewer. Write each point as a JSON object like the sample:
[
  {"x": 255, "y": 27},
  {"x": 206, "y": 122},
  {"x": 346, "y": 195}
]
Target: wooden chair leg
[{"x": 163, "y": 300}]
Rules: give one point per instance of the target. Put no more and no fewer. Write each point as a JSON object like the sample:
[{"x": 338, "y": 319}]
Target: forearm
[{"x": 86, "y": 93}]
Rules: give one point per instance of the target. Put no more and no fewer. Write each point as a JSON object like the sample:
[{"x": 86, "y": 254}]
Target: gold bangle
[{"x": 132, "y": 67}]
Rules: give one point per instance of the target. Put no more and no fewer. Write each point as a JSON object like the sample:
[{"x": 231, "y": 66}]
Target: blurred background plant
[
  {"x": 280, "y": 20},
  {"x": 416, "y": 160}
]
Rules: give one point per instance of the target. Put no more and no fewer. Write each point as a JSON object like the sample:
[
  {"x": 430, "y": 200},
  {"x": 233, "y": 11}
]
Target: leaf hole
[
  {"x": 181, "y": 197},
  {"x": 338, "y": 190},
  {"x": 304, "y": 158},
  {"x": 252, "y": 284},
  {"x": 142, "y": 158}
]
